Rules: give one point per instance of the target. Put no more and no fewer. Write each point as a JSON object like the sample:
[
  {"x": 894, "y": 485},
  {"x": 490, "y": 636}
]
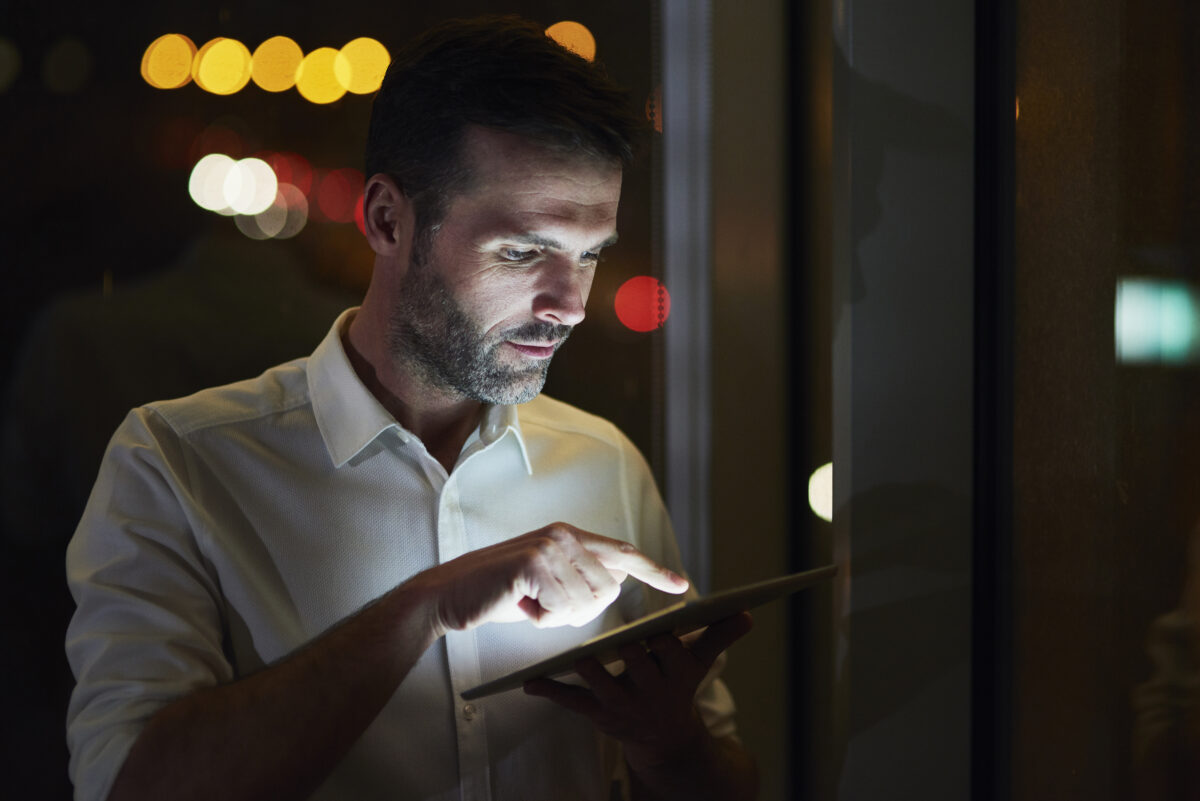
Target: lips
[{"x": 535, "y": 351}]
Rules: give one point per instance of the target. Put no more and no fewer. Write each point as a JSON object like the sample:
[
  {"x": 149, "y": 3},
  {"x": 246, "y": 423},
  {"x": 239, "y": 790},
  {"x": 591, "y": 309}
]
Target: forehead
[{"x": 514, "y": 177}]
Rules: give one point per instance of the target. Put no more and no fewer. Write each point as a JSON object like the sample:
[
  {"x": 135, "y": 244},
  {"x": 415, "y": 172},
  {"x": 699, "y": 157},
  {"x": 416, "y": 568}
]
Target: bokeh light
[
  {"x": 218, "y": 138},
  {"x": 575, "y": 37},
  {"x": 654, "y": 112},
  {"x": 820, "y": 492},
  {"x": 291, "y": 168},
  {"x": 222, "y": 66},
  {"x": 274, "y": 63},
  {"x": 643, "y": 303},
  {"x": 296, "y": 204},
  {"x": 250, "y": 187},
  {"x": 316, "y": 79},
  {"x": 360, "y": 65},
  {"x": 167, "y": 62},
  {"x": 1157, "y": 322},
  {"x": 10, "y": 63},
  {"x": 282, "y": 219},
  {"x": 360, "y": 217},
  {"x": 338, "y": 193},
  {"x": 206, "y": 184},
  {"x": 67, "y": 66}
]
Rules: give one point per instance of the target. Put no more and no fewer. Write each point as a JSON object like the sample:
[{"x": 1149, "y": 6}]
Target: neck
[{"x": 442, "y": 420}]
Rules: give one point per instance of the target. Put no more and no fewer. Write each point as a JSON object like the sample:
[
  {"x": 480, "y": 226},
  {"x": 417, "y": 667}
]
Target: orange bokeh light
[
  {"x": 167, "y": 62},
  {"x": 575, "y": 37},
  {"x": 274, "y": 63}
]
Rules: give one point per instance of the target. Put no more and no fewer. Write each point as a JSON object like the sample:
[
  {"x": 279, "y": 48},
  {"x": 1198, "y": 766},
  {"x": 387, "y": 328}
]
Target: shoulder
[
  {"x": 278, "y": 390},
  {"x": 545, "y": 416}
]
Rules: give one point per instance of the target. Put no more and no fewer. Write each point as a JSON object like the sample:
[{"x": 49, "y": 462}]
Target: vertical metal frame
[{"x": 687, "y": 273}]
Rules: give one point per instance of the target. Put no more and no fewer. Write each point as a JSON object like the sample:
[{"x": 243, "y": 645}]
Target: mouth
[{"x": 534, "y": 351}]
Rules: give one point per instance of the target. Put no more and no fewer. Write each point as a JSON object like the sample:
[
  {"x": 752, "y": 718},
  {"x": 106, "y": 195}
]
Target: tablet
[{"x": 679, "y": 619}]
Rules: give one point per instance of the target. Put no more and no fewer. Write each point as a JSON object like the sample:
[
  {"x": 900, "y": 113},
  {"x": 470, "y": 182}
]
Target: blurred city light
[
  {"x": 167, "y": 62},
  {"x": 206, "y": 184},
  {"x": 654, "y": 108},
  {"x": 642, "y": 303},
  {"x": 338, "y": 193},
  {"x": 250, "y": 186},
  {"x": 296, "y": 205},
  {"x": 10, "y": 63},
  {"x": 575, "y": 37},
  {"x": 1157, "y": 322},
  {"x": 222, "y": 66},
  {"x": 820, "y": 492},
  {"x": 316, "y": 79},
  {"x": 67, "y": 66},
  {"x": 360, "y": 65},
  {"x": 274, "y": 64}
]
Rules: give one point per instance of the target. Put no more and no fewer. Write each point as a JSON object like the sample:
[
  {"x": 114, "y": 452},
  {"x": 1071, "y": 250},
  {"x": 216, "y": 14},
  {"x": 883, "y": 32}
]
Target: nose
[{"x": 562, "y": 292}]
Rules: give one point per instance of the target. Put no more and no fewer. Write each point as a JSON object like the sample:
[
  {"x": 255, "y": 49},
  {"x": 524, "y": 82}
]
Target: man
[{"x": 284, "y": 584}]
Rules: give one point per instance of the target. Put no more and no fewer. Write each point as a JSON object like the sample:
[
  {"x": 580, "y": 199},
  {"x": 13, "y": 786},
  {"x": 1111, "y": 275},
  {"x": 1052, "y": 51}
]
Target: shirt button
[{"x": 469, "y": 711}]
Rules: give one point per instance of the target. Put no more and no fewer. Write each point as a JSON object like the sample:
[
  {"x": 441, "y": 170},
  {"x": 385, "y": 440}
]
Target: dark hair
[{"x": 500, "y": 72}]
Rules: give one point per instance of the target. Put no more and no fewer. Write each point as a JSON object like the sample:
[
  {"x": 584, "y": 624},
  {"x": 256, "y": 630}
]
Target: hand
[
  {"x": 555, "y": 576},
  {"x": 650, "y": 707}
]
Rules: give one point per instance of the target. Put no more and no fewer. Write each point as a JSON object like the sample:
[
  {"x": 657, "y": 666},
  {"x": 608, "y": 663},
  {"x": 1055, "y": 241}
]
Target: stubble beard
[{"x": 430, "y": 332}]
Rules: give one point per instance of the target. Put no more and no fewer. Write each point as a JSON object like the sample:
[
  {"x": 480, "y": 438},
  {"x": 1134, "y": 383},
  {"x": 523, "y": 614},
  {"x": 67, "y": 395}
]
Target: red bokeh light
[
  {"x": 291, "y": 168},
  {"x": 643, "y": 303},
  {"x": 338, "y": 194}
]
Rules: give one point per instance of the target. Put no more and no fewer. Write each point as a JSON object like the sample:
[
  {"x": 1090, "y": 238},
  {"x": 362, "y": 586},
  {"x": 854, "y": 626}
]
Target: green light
[{"x": 1157, "y": 322}]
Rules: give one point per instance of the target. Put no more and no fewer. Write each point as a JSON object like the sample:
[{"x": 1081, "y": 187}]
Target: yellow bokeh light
[
  {"x": 316, "y": 79},
  {"x": 360, "y": 65},
  {"x": 222, "y": 66},
  {"x": 274, "y": 63},
  {"x": 575, "y": 37},
  {"x": 167, "y": 62}
]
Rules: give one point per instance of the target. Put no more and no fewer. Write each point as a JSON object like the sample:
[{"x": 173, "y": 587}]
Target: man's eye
[
  {"x": 517, "y": 254},
  {"x": 590, "y": 259}
]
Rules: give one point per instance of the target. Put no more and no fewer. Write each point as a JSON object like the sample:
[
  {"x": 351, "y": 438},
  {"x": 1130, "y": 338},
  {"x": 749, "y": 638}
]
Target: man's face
[{"x": 486, "y": 303}]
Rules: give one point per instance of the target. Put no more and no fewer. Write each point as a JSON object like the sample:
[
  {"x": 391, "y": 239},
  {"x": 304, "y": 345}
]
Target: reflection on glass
[
  {"x": 820, "y": 492},
  {"x": 1157, "y": 322}
]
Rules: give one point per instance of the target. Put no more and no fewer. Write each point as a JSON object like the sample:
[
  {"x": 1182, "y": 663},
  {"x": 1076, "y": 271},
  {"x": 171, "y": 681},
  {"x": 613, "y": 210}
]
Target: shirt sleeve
[{"x": 147, "y": 627}]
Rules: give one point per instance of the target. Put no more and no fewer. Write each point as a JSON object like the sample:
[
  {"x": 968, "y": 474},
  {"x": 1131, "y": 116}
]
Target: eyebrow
[{"x": 554, "y": 244}]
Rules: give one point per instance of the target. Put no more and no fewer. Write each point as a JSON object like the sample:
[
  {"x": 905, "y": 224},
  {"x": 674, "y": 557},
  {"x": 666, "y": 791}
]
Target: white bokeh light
[
  {"x": 207, "y": 182},
  {"x": 820, "y": 492},
  {"x": 250, "y": 187}
]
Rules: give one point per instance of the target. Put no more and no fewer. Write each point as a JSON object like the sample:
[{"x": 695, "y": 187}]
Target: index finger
[{"x": 623, "y": 556}]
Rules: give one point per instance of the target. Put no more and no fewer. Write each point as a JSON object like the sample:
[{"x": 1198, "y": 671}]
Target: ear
[{"x": 388, "y": 216}]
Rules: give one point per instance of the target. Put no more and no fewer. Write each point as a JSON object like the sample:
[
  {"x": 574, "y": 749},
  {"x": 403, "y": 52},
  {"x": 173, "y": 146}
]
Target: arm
[
  {"x": 280, "y": 732},
  {"x": 650, "y": 708}
]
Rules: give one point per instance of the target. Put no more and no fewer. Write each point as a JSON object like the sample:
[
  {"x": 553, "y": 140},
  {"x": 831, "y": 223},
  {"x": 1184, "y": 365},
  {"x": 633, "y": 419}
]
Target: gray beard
[{"x": 429, "y": 331}]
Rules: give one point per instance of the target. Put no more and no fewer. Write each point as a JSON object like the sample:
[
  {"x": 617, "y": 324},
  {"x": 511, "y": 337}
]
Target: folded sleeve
[{"x": 147, "y": 627}]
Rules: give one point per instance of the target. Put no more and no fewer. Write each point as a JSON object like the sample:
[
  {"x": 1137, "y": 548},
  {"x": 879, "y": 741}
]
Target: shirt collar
[{"x": 350, "y": 418}]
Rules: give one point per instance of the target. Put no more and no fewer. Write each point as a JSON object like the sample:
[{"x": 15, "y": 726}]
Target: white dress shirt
[{"x": 229, "y": 528}]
